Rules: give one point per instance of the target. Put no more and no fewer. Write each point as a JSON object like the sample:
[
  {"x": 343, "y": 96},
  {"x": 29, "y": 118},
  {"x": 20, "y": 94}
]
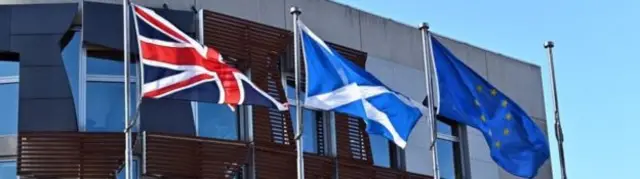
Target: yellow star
[
  {"x": 494, "y": 92},
  {"x": 506, "y": 131},
  {"x": 508, "y": 116},
  {"x": 484, "y": 119},
  {"x": 504, "y": 103},
  {"x": 498, "y": 144},
  {"x": 477, "y": 102},
  {"x": 479, "y": 88}
]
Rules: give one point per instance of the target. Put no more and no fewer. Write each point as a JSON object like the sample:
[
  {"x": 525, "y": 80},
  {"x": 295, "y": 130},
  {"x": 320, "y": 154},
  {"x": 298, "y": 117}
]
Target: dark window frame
[{"x": 458, "y": 144}]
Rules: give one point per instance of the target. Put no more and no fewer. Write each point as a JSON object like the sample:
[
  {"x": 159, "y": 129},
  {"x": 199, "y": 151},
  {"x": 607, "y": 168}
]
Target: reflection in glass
[
  {"x": 70, "y": 59},
  {"x": 8, "y": 169},
  {"x": 310, "y": 134},
  {"x": 217, "y": 121},
  {"x": 380, "y": 151},
  {"x": 444, "y": 128},
  {"x": 446, "y": 159},
  {"x": 9, "y": 109},
  {"x": 107, "y": 66},
  {"x": 9, "y": 68},
  {"x": 105, "y": 106}
]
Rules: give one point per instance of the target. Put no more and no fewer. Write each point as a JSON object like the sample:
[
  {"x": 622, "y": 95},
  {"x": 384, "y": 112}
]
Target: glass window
[
  {"x": 9, "y": 109},
  {"x": 310, "y": 117},
  {"x": 70, "y": 59},
  {"x": 9, "y": 68},
  {"x": 217, "y": 121},
  {"x": 444, "y": 128},
  {"x": 448, "y": 150},
  {"x": 310, "y": 133},
  {"x": 103, "y": 66},
  {"x": 105, "y": 106},
  {"x": 8, "y": 169},
  {"x": 134, "y": 170},
  {"x": 447, "y": 159},
  {"x": 380, "y": 150}
]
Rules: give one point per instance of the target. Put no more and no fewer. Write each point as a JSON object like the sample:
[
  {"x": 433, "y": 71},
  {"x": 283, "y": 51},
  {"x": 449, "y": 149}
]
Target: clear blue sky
[{"x": 597, "y": 66}]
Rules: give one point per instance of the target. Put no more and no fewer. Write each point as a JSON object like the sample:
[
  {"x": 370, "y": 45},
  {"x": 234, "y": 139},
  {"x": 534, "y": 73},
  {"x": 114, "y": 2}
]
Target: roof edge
[{"x": 440, "y": 35}]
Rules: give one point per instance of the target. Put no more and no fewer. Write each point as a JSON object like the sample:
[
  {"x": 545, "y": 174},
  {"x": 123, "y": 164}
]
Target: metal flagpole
[
  {"x": 295, "y": 11},
  {"x": 426, "y": 54},
  {"x": 125, "y": 49},
  {"x": 559, "y": 136}
]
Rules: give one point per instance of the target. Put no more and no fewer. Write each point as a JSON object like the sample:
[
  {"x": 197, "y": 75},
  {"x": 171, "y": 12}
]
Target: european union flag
[
  {"x": 336, "y": 84},
  {"x": 515, "y": 142}
]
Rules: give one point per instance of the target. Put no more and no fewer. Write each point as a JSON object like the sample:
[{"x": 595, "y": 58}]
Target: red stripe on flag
[
  {"x": 159, "y": 24},
  {"x": 182, "y": 56},
  {"x": 172, "y": 55},
  {"x": 230, "y": 85},
  {"x": 175, "y": 86},
  {"x": 227, "y": 76}
]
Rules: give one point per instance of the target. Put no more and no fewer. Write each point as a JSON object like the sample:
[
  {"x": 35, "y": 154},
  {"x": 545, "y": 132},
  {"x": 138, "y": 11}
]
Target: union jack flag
[{"x": 175, "y": 66}]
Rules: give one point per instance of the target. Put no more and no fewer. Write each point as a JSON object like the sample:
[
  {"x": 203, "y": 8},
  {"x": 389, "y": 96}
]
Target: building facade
[{"x": 61, "y": 96}]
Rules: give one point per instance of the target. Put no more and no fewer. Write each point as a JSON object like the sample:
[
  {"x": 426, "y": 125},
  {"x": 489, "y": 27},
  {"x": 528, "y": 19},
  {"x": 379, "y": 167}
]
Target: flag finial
[
  {"x": 295, "y": 10},
  {"x": 424, "y": 25},
  {"x": 548, "y": 44}
]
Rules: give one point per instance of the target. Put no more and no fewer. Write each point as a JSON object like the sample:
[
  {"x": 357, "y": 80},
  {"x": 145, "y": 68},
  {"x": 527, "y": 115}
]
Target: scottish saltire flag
[
  {"x": 175, "y": 66},
  {"x": 515, "y": 142},
  {"x": 336, "y": 84}
]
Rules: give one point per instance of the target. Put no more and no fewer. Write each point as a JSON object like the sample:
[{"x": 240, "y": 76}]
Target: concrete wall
[{"x": 395, "y": 46}]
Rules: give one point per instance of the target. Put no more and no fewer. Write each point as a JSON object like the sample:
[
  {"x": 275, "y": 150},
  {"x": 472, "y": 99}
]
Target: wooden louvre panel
[
  {"x": 173, "y": 156},
  {"x": 259, "y": 48},
  {"x": 273, "y": 130},
  {"x": 353, "y": 140},
  {"x": 87, "y": 155}
]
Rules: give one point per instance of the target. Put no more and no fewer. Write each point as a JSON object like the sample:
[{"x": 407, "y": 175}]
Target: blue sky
[{"x": 596, "y": 54}]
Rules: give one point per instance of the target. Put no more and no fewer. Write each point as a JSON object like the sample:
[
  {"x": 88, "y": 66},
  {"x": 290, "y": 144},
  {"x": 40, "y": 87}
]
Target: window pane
[
  {"x": 70, "y": 58},
  {"x": 444, "y": 128},
  {"x": 310, "y": 133},
  {"x": 380, "y": 150},
  {"x": 107, "y": 66},
  {"x": 9, "y": 109},
  {"x": 447, "y": 159},
  {"x": 8, "y": 169},
  {"x": 310, "y": 141},
  {"x": 217, "y": 121},
  {"x": 105, "y": 106},
  {"x": 134, "y": 170},
  {"x": 9, "y": 68}
]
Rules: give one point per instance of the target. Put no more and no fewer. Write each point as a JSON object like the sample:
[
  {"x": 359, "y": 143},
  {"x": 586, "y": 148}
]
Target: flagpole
[
  {"x": 559, "y": 136},
  {"x": 125, "y": 49},
  {"x": 295, "y": 11},
  {"x": 426, "y": 54}
]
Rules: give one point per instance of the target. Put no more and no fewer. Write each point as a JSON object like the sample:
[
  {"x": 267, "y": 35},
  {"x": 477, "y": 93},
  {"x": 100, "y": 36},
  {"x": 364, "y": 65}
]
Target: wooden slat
[
  {"x": 69, "y": 154},
  {"x": 275, "y": 164},
  {"x": 318, "y": 167},
  {"x": 173, "y": 156}
]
